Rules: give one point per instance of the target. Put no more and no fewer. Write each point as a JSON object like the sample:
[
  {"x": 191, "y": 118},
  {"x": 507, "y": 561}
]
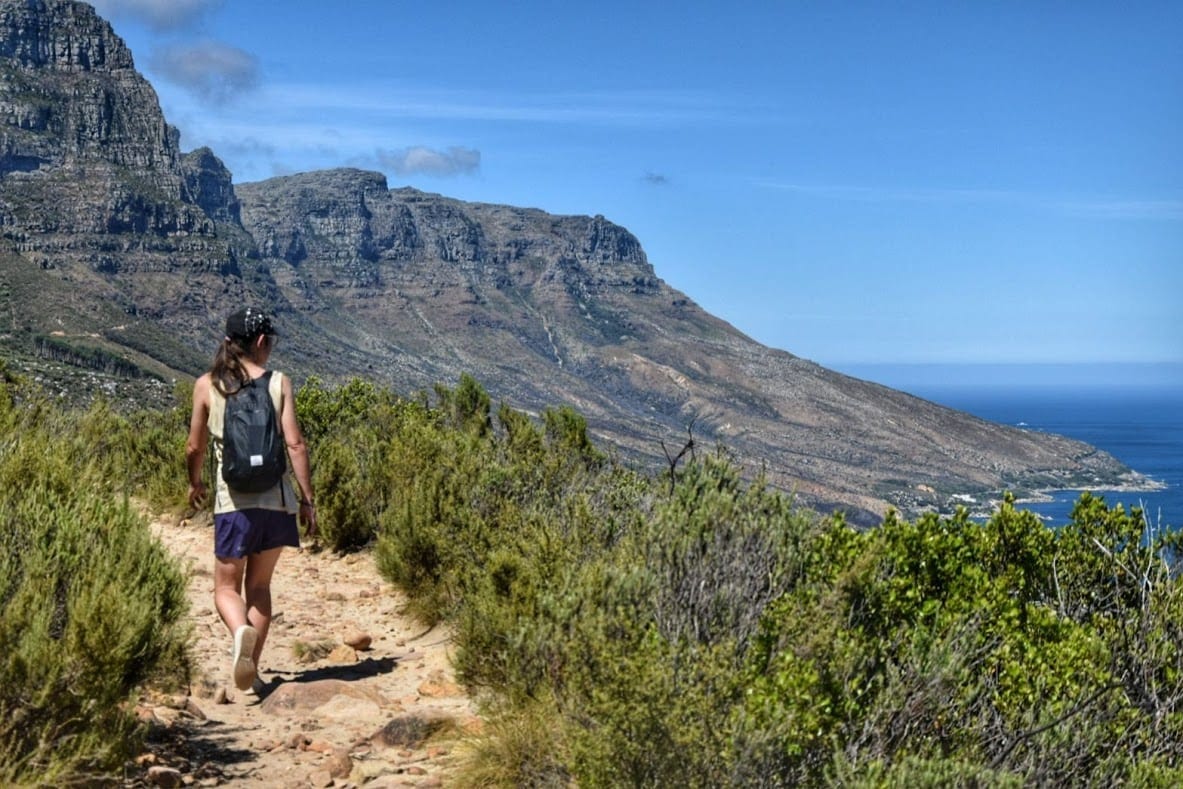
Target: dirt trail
[{"x": 389, "y": 714}]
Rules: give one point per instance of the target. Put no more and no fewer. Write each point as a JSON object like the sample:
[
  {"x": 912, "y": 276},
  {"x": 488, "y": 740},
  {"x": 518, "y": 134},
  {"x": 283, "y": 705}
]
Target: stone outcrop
[
  {"x": 76, "y": 117},
  {"x": 208, "y": 185}
]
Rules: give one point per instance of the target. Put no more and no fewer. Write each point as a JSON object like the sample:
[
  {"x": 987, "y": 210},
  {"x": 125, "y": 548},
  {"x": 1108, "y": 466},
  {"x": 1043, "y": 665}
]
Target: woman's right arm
[{"x": 198, "y": 438}]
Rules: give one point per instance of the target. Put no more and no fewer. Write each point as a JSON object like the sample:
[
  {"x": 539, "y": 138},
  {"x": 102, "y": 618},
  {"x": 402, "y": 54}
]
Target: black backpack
[{"x": 253, "y": 457}]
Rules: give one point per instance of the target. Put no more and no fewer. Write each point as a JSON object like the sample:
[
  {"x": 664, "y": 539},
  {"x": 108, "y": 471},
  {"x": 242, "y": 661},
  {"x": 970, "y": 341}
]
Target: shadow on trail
[
  {"x": 351, "y": 672},
  {"x": 207, "y": 746}
]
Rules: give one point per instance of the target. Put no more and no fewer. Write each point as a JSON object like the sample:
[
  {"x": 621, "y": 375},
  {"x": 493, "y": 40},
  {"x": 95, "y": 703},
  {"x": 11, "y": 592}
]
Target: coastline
[
  {"x": 983, "y": 506},
  {"x": 1143, "y": 485},
  {"x": 1132, "y": 413}
]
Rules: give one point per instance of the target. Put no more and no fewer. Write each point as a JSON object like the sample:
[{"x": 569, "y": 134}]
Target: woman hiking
[{"x": 253, "y": 519}]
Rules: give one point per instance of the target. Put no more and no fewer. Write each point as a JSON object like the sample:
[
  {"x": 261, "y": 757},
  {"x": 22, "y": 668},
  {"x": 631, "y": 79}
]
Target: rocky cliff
[
  {"x": 78, "y": 119},
  {"x": 94, "y": 188},
  {"x": 546, "y": 309},
  {"x": 116, "y": 245}
]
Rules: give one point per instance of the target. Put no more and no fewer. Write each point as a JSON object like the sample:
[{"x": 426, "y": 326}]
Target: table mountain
[{"x": 121, "y": 256}]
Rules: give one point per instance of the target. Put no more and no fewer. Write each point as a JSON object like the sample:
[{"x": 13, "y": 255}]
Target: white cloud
[
  {"x": 210, "y": 70},
  {"x": 158, "y": 14},
  {"x": 427, "y": 161}
]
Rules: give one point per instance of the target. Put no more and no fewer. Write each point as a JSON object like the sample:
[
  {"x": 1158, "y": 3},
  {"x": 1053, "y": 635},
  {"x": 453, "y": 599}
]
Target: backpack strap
[
  {"x": 217, "y": 404},
  {"x": 275, "y": 389}
]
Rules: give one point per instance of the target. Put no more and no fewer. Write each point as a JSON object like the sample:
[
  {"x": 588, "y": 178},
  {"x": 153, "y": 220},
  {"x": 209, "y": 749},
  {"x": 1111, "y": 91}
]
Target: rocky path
[{"x": 357, "y": 694}]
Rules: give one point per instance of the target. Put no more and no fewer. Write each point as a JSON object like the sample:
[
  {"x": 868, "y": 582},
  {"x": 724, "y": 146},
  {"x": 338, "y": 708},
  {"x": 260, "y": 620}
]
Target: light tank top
[{"x": 281, "y": 497}]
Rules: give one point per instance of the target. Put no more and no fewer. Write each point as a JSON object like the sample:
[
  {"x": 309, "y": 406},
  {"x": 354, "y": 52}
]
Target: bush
[
  {"x": 1004, "y": 646},
  {"x": 91, "y": 605},
  {"x": 700, "y": 630},
  {"x": 346, "y": 512},
  {"x": 522, "y": 746}
]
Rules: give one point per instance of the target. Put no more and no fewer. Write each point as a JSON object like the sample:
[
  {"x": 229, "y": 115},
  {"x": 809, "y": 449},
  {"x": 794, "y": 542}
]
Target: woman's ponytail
[{"x": 227, "y": 370}]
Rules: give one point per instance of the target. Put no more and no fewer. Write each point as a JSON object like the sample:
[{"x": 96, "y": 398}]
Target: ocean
[{"x": 1134, "y": 416}]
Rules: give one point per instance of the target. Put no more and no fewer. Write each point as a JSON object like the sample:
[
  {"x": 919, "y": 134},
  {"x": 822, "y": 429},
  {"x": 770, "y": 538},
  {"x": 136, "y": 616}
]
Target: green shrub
[
  {"x": 1050, "y": 656},
  {"x": 467, "y": 407},
  {"x": 521, "y": 746},
  {"x": 702, "y": 631},
  {"x": 634, "y": 622},
  {"x": 722, "y": 550},
  {"x": 347, "y": 491},
  {"x": 138, "y": 453},
  {"x": 91, "y": 605},
  {"x": 324, "y": 412},
  {"x": 922, "y": 773},
  {"x": 433, "y": 528}
]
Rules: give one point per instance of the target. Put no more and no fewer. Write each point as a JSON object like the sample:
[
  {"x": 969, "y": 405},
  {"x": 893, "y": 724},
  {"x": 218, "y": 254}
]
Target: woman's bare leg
[
  {"x": 228, "y": 574},
  {"x": 257, "y": 606},
  {"x": 228, "y": 600}
]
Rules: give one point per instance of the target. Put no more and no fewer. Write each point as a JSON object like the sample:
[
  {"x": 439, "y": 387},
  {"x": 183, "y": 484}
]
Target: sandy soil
[{"x": 386, "y": 714}]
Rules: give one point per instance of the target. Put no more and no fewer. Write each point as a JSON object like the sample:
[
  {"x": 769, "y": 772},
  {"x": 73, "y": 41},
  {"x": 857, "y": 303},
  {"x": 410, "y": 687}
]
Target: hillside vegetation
[
  {"x": 91, "y": 606},
  {"x": 621, "y": 629}
]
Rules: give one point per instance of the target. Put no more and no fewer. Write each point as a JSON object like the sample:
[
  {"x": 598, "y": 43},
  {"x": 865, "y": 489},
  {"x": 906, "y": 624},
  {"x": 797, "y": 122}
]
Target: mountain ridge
[{"x": 118, "y": 243}]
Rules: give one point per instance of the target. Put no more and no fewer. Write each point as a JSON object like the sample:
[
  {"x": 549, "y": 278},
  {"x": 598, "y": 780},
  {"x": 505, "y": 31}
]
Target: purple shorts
[{"x": 243, "y": 532}]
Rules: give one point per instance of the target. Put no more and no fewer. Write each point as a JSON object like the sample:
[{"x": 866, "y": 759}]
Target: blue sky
[{"x": 989, "y": 182}]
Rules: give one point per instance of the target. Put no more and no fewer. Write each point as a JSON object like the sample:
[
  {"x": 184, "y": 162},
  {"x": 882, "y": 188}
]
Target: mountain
[{"x": 120, "y": 256}]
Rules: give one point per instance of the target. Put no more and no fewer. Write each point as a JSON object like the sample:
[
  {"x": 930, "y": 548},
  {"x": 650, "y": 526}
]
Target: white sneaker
[{"x": 243, "y": 666}]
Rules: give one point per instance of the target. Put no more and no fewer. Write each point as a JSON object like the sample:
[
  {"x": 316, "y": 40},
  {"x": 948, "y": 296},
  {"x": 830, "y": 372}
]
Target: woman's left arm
[{"x": 298, "y": 451}]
